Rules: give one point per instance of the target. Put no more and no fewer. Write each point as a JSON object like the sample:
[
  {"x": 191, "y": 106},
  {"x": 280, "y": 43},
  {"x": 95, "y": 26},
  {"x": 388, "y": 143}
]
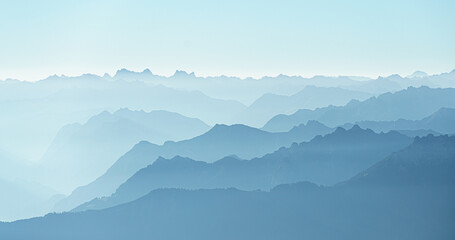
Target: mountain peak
[
  {"x": 418, "y": 74},
  {"x": 123, "y": 71},
  {"x": 219, "y": 126},
  {"x": 237, "y": 128},
  {"x": 339, "y": 130},
  {"x": 314, "y": 123},
  {"x": 356, "y": 128},
  {"x": 236, "y": 131},
  {"x": 431, "y": 139},
  {"x": 181, "y": 73},
  {"x": 356, "y": 134}
]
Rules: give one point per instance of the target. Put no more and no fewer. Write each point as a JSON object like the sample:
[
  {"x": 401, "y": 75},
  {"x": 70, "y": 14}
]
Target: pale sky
[{"x": 237, "y": 38}]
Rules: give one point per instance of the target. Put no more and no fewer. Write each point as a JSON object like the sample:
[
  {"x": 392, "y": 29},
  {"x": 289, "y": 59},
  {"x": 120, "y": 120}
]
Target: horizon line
[{"x": 112, "y": 74}]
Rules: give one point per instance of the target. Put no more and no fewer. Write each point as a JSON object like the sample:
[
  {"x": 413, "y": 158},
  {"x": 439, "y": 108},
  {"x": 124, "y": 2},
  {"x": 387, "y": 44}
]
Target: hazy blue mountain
[
  {"x": 310, "y": 97},
  {"x": 324, "y": 160},
  {"x": 244, "y": 90},
  {"x": 247, "y": 90},
  {"x": 386, "y": 107},
  {"x": 33, "y": 113},
  {"x": 222, "y": 140},
  {"x": 405, "y": 82},
  {"x": 439, "y": 122},
  {"x": 418, "y": 74},
  {"x": 81, "y": 153},
  {"x": 444, "y": 80},
  {"x": 58, "y": 100},
  {"x": 409, "y": 195}
]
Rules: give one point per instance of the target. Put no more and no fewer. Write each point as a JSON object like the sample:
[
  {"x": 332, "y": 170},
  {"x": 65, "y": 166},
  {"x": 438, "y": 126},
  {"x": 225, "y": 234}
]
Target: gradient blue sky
[{"x": 241, "y": 38}]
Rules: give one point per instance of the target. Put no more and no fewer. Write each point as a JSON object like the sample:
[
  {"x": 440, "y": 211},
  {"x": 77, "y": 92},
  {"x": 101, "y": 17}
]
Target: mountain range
[
  {"x": 220, "y": 141},
  {"x": 386, "y": 107},
  {"x": 59, "y": 100},
  {"x": 63, "y": 132},
  {"x": 409, "y": 194},
  {"x": 311, "y": 97},
  {"x": 325, "y": 160},
  {"x": 82, "y": 152},
  {"x": 33, "y": 113},
  {"x": 247, "y": 90},
  {"x": 440, "y": 122}
]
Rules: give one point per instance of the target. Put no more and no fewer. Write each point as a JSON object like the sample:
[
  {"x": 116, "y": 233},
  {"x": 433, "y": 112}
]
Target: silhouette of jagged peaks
[
  {"x": 310, "y": 124},
  {"x": 175, "y": 160},
  {"x": 122, "y": 111},
  {"x": 182, "y": 74},
  {"x": 122, "y": 71},
  {"x": 354, "y": 130},
  {"x": 355, "y": 134},
  {"x": 125, "y": 72},
  {"x": 430, "y": 139}
]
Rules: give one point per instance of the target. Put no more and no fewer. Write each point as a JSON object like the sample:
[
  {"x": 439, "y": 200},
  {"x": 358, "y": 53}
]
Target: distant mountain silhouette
[
  {"x": 81, "y": 153},
  {"x": 222, "y": 140},
  {"x": 388, "y": 201},
  {"x": 58, "y": 100},
  {"x": 310, "y": 97},
  {"x": 386, "y": 107},
  {"x": 247, "y": 90},
  {"x": 439, "y": 122},
  {"x": 324, "y": 160},
  {"x": 418, "y": 74}
]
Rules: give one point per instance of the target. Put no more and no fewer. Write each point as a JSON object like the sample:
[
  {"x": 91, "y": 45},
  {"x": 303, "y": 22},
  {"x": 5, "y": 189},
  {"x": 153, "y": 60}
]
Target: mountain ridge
[
  {"x": 324, "y": 160},
  {"x": 218, "y": 142},
  {"x": 385, "y": 107},
  {"x": 300, "y": 209}
]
